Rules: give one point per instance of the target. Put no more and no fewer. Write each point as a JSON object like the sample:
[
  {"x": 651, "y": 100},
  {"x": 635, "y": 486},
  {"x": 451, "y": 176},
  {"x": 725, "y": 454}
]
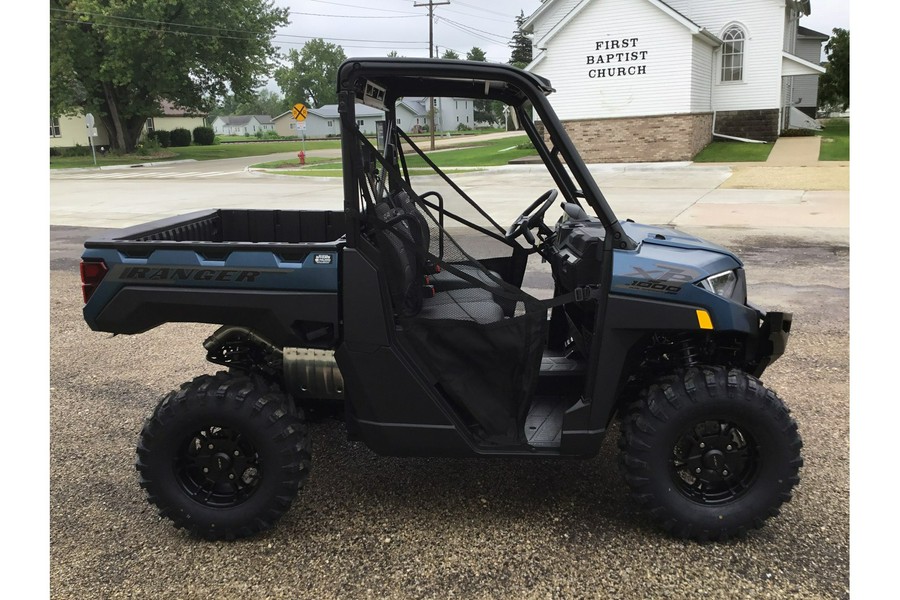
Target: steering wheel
[{"x": 531, "y": 218}]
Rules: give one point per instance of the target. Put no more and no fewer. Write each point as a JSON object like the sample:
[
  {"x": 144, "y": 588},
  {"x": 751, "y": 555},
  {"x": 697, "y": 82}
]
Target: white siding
[
  {"x": 701, "y": 77},
  {"x": 763, "y": 23},
  {"x": 661, "y": 79},
  {"x": 806, "y": 87},
  {"x": 553, "y": 15}
]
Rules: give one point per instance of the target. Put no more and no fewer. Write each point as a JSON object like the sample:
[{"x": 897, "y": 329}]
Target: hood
[{"x": 673, "y": 238}]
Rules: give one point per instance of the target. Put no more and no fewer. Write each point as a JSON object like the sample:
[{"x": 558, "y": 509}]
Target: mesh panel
[{"x": 481, "y": 337}]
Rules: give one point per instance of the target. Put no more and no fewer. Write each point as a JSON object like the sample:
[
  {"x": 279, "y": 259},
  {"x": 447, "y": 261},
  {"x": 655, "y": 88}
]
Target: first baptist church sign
[{"x": 616, "y": 59}]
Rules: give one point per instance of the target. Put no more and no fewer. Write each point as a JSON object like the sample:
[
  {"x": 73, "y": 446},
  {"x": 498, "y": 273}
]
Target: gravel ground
[{"x": 372, "y": 527}]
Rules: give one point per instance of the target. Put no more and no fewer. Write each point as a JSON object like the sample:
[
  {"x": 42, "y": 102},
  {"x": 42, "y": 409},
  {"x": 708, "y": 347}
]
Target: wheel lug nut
[
  {"x": 210, "y": 446},
  {"x": 231, "y": 476},
  {"x": 698, "y": 470},
  {"x": 205, "y": 470},
  {"x": 728, "y": 447},
  {"x": 236, "y": 453},
  {"x": 725, "y": 473},
  {"x": 702, "y": 445}
]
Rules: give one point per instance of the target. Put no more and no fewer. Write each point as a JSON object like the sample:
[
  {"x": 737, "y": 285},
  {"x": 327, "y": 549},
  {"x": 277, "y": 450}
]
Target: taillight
[{"x": 92, "y": 273}]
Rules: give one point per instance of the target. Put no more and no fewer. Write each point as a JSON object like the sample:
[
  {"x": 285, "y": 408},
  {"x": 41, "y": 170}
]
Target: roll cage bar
[{"x": 402, "y": 77}]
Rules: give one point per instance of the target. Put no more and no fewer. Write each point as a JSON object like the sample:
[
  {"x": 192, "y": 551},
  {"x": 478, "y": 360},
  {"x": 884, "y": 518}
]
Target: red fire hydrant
[{"x": 302, "y": 156}]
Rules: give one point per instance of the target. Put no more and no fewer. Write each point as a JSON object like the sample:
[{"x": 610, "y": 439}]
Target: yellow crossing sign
[{"x": 299, "y": 112}]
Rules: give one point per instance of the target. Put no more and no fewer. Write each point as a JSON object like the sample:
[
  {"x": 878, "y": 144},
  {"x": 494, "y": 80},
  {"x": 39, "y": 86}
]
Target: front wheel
[
  {"x": 223, "y": 456},
  {"x": 710, "y": 453}
]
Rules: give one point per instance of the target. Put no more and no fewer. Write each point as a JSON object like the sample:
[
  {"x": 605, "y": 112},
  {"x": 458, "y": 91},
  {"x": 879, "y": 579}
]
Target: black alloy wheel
[
  {"x": 709, "y": 452},
  {"x": 224, "y": 455}
]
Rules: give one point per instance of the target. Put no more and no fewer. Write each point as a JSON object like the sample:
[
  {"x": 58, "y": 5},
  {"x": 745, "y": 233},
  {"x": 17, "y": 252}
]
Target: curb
[{"x": 121, "y": 167}]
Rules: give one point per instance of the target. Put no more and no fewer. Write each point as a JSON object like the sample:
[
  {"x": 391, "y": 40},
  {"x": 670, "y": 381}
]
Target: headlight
[{"x": 723, "y": 284}]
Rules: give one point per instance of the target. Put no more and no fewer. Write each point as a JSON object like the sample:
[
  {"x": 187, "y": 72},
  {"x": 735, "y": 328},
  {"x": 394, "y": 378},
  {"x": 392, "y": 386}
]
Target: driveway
[{"x": 374, "y": 527}]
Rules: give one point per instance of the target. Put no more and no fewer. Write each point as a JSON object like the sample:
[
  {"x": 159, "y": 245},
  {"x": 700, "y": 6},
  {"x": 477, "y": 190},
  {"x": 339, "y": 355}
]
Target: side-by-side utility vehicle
[{"x": 407, "y": 310}]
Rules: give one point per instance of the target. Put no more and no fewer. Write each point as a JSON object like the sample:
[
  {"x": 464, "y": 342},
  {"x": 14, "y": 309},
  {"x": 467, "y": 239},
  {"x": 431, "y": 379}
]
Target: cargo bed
[{"x": 274, "y": 271}]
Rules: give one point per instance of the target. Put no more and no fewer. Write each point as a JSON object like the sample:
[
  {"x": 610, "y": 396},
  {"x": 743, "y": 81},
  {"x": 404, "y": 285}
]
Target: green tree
[
  {"x": 393, "y": 54},
  {"x": 834, "y": 85},
  {"x": 263, "y": 102},
  {"x": 118, "y": 58},
  {"x": 476, "y": 53},
  {"x": 520, "y": 44},
  {"x": 309, "y": 75},
  {"x": 450, "y": 55},
  {"x": 486, "y": 111}
]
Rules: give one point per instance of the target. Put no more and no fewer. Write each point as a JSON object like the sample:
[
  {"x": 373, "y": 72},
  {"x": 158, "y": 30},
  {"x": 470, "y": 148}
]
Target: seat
[
  {"x": 399, "y": 240},
  {"x": 443, "y": 280}
]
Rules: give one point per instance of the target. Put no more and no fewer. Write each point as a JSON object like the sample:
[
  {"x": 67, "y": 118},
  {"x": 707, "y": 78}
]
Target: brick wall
[
  {"x": 751, "y": 124},
  {"x": 641, "y": 139}
]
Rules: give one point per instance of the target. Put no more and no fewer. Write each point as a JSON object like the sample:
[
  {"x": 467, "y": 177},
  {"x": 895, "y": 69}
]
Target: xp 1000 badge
[{"x": 664, "y": 279}]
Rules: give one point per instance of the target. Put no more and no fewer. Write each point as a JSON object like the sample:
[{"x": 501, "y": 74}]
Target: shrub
[
  {"x": 204, "y": 136},
  {"x": 164, "y": 138},
  {"x": 76, "y": 150},
  {"x": 463, "y": 127},
  {"x": 54, "y": 152},
  {"x": 180, "y": 137},
  {"x": 149, "y": 146},
  {"x": 272, "y": 135}
]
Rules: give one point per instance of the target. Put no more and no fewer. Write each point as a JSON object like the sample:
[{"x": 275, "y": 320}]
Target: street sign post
[
  {"x": 299, "y": 112},
  {"x": 91, "y": 132}
]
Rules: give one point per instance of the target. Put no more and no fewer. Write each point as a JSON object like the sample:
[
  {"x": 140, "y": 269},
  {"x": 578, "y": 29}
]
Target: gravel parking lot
[{"x": 372, "y": 527}]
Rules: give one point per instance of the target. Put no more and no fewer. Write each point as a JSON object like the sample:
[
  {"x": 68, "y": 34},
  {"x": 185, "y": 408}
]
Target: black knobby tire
[
  {"x": 683, "y": 433},
  {"x": 224, "y": 456}
]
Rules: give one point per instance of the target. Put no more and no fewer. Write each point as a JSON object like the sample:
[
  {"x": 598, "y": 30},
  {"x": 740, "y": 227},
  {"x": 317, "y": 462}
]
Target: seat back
[{"x": 397, "y": 238}]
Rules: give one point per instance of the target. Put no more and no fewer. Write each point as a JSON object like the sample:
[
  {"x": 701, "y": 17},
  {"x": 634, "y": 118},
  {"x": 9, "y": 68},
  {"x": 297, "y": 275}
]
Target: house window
[
  {"x": 54, "y": 128},
  {"x": 398, "y": 120},
  {"x": 330, "y": 123},
  {"x": 151, "y": 127},
  {"x": 733, "y": 54},
  {"x": 360, "y": 122}
]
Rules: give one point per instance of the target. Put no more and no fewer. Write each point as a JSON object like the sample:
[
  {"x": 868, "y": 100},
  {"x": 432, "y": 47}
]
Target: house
[
  {"x": 449, "y": 114},
  {"x": 69, "y": 131},
  {"x": 654, "y": 80},
  {"x": 242, "y": 124},
  {"x": 325, "y": 121}
]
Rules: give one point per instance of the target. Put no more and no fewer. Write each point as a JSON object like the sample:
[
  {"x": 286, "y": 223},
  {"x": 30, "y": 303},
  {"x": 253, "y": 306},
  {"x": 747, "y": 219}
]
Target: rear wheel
[
  {"x": 710, "y": 453},
  {"x": 223, "y": 456}
]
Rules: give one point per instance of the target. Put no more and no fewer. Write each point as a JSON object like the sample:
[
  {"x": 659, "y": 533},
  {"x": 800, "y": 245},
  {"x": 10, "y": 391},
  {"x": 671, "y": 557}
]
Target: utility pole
[{"x": 431, "y": 4}]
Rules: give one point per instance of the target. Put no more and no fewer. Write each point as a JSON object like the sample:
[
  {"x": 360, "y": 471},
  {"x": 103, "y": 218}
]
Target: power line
[
  {"x": 364, "y": 7},
  {"x": 466, "y": 14},
  {"x": 308, "y": 14},
  {"x": 503, "y": 37},
  {"x": 230, "y": 37},
  {"x": 469, "y": 31},
  {"x": 493, "y": 12}
]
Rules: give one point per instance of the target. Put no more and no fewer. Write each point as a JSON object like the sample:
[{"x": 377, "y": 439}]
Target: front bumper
[{"x": 774, "y": 330}]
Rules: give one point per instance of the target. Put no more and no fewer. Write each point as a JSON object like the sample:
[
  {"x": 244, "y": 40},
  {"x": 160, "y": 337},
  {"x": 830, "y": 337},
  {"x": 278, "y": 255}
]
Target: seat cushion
[
  {"x": 445, "y": 280},
  {"x": 475, "y": 305}
]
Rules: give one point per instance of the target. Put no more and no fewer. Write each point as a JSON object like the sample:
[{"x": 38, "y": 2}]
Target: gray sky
[{"x": 366, "y": 28}]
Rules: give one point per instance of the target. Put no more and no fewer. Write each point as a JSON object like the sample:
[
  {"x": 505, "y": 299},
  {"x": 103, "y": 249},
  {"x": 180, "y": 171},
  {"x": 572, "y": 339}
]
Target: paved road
[{"x": 372, "y": 527}]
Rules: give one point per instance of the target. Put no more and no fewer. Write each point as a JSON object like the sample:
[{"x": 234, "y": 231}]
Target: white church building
[{"x": 654, "y": 80}]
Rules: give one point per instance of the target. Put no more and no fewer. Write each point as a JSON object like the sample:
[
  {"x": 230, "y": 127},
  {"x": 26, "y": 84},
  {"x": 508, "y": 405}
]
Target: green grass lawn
[
  {"x": 734, "y": 152},
  {"x": 478, "y": 154},
  {"x": 835, "y": 140},
  {"x": 213, "y": 152},
  {"x": 474, "y": 154}
]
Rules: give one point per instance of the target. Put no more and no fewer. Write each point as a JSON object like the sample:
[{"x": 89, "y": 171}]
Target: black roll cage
[{"x": 477, "y": 80}]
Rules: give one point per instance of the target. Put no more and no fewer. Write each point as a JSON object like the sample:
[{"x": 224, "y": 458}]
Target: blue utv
[{"x": 407, "y": 312}]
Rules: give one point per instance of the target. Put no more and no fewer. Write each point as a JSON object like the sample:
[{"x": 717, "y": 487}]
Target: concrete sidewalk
[{"x": 795, "y": 152}]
